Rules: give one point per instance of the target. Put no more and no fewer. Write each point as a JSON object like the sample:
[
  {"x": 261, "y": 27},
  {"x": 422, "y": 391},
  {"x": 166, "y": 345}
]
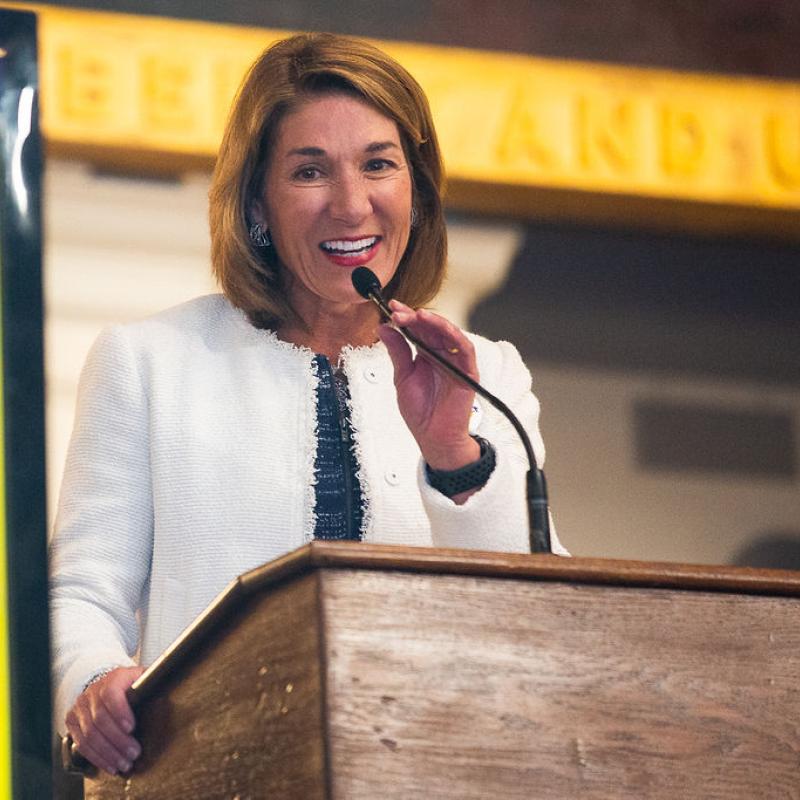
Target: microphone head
[{"x": 365, "y": 282}]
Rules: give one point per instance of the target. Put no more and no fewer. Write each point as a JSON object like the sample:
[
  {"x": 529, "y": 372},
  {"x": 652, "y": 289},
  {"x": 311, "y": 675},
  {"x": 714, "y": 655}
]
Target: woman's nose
[{"x": 350, "y": 200}]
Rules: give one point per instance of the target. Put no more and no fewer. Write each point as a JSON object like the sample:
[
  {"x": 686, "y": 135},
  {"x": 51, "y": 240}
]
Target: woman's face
[{"x": 337, "y": 195}]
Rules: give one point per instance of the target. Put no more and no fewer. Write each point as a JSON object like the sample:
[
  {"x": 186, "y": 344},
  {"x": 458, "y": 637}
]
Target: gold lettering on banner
[
  {"x": 226, "y": 75},
  {"x": 606, "y": 133},
  {"x": 520, "y": 138},
  {"x": 86, "y": 85},
  {"x": 163, "y": 87},
  {"x": 683, "y": 142},
  {"x": 167, "y": 97},
  {"x": 782, "y": 146}
]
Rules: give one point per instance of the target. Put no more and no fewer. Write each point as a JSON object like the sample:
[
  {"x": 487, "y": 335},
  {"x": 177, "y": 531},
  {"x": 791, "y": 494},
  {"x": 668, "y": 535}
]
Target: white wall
[
  {"x": 115, "y": 249},
  {"x": 119, "y": 248},
  {"x": 607, "y": 505}
]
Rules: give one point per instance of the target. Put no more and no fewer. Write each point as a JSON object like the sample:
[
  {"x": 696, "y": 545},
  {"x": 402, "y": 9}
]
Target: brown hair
[{"x": 285, "y": 74}]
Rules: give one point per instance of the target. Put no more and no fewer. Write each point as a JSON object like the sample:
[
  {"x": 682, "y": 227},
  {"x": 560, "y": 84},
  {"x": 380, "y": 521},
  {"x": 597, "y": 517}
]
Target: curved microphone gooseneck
[{"x": 366, "y": 283}]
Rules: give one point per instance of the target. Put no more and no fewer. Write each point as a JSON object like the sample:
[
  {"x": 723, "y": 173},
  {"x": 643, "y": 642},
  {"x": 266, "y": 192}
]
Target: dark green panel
[{"x": 23, "y": 402}]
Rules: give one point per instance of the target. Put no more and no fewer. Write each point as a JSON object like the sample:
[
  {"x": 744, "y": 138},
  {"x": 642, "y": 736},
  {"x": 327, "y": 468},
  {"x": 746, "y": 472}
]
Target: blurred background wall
[{"x": 667, "y": 362}]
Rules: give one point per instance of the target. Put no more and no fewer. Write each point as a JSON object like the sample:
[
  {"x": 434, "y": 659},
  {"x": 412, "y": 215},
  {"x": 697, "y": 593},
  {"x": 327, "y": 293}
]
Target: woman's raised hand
[
  {"x": 101, "y": 721},
  {"x": 434, "y": 405}
]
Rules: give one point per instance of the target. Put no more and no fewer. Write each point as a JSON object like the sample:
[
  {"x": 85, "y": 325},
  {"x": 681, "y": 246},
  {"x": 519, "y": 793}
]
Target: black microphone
[{"x": 366, "y": 283}]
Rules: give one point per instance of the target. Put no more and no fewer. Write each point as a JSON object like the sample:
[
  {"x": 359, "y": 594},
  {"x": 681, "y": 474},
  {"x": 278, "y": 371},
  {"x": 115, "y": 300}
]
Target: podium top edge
[
  {"x": 358, "y": 555},
  {"x": 326, "y": 555}
]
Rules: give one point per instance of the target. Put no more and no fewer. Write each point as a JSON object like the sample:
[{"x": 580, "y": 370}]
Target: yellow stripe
[{"x": 5, "y": 677}]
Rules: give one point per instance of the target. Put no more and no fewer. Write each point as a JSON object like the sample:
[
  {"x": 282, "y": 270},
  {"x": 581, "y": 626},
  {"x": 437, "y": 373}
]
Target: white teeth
[{"x": 342, "y": 246}]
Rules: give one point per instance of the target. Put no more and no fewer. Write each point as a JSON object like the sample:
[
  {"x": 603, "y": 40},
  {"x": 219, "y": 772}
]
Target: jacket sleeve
[
  {"x": 495, "y": 517},
  {"x": 101, "y": 549}
]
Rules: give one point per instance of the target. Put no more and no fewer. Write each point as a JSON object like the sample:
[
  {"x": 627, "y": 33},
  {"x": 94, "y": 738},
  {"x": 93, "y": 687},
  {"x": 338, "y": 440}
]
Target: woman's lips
[{"x": 351, "y": 252}]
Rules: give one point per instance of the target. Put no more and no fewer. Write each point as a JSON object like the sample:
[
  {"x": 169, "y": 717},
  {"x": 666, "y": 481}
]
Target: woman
[{"x": 223, "y": 433}]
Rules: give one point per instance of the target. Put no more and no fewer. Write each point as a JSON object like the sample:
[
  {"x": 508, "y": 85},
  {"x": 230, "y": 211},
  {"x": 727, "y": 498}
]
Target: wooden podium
[{"x": 364, "y": 672}]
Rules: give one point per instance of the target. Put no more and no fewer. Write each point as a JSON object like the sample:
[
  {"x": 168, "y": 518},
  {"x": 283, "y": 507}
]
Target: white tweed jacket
[{"x": 192, "y": 459}]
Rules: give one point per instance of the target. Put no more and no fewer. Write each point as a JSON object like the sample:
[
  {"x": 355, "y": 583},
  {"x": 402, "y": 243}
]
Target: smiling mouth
[{"x": 349, "y": 247}]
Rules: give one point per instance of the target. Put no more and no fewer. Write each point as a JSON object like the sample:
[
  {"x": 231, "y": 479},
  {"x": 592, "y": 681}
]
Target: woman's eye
[
  {"x": 307, "y": 174},
  {"x": 379, "y": 164}
]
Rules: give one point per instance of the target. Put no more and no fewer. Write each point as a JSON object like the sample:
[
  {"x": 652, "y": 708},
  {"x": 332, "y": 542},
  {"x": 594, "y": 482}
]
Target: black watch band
[{"x": 454, "y": 481}]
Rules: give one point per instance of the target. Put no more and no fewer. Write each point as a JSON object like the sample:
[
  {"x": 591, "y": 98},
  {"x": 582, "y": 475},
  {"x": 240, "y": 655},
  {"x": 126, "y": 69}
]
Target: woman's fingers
[
  {"x": 112, "y": 694},
  {"x": 437, "y": 333},
  {"x": 92, "y": 744},
  {"x": 114, "y": 729},
  {"x": 95, "y": 756},
  {"x": 101, "y": 720},
  {"x": 422, "y": 321},
  {"x": 399, "y": 352}
]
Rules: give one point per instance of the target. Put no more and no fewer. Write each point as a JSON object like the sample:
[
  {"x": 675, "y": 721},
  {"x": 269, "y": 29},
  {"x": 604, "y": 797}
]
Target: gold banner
[{"x": 158, "y": 90}]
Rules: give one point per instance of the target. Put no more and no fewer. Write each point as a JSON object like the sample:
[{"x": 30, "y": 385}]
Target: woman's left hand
[{"x": 434, "y": 405}]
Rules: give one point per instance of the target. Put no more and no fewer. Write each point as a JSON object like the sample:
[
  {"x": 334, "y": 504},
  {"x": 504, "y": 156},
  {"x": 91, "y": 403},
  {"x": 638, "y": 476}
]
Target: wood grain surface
[
  {"x": 346, "y": 555},
  {"x": 470, "y": 687},
  {"x": 362, "y": 672},
  {"x": 242, "y": 719},
  {"x": 523, "y": 565}
]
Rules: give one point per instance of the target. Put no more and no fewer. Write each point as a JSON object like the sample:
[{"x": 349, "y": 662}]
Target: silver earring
[
  {"x": 259, "y": 235},
  {"x": 413, "y": 217}
]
